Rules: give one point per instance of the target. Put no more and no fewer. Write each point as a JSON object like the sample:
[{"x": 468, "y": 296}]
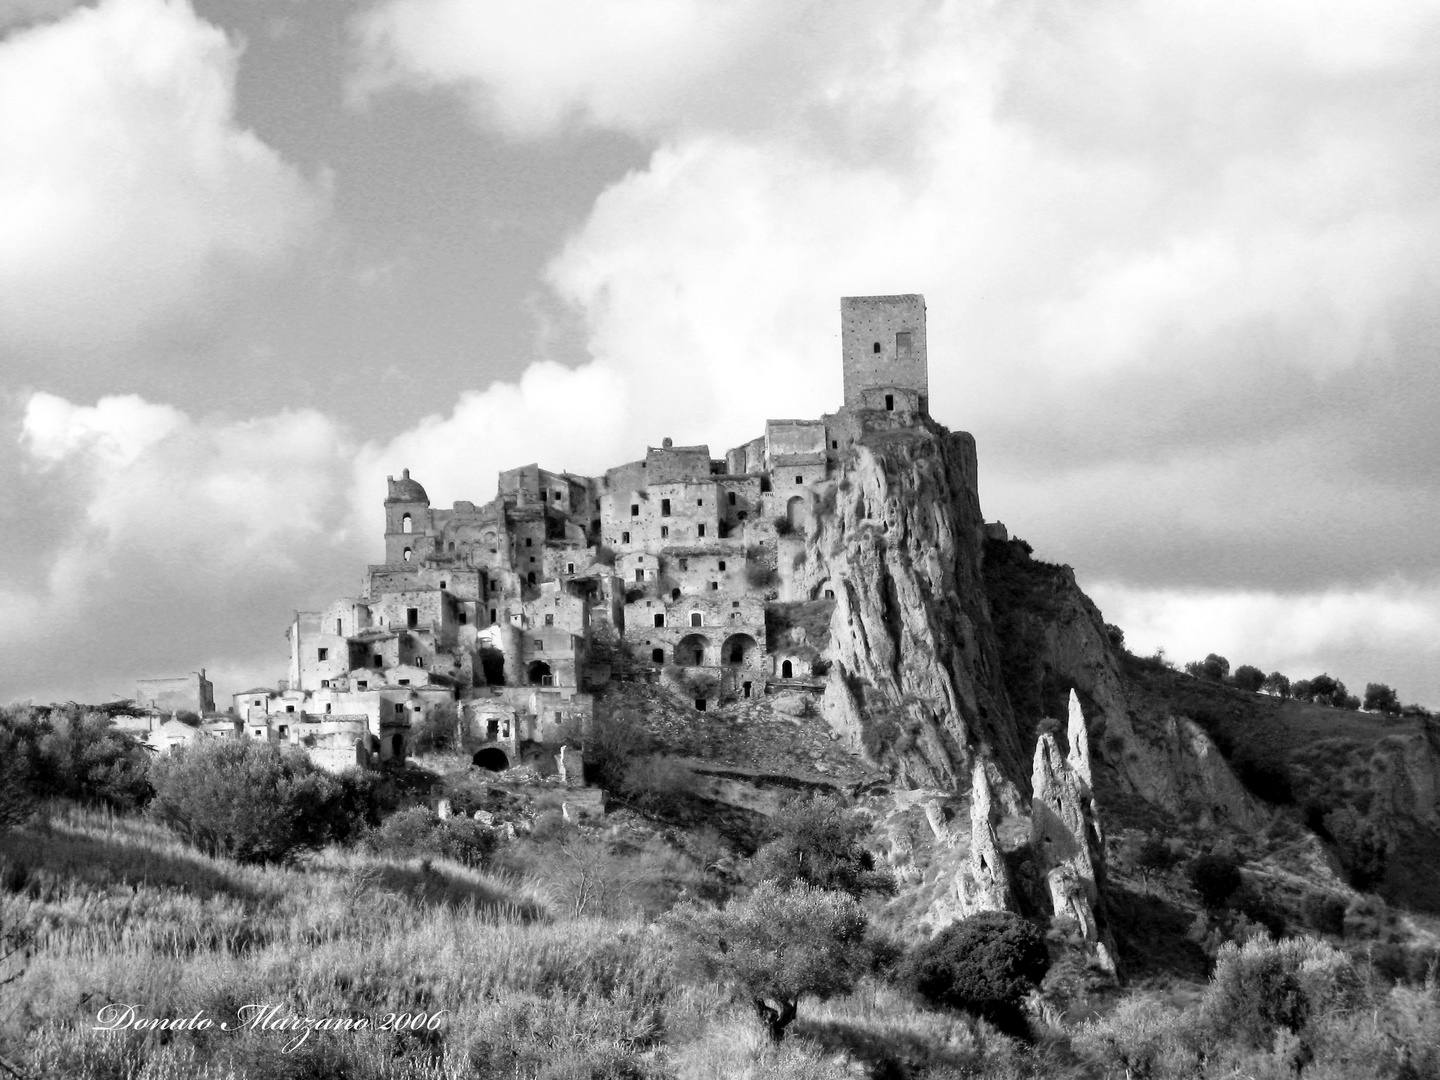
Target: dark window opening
[
  {"x": 787, "y": 670},
  {"x": 338, "y": 624},
  {"x": 404, "y": 682},
  {"x": 799, "y": 479},
  {"x": 829, "y": 594},
  {"x": 657, "y": 656},
  {"x": 634, "y": 509},
  {"x": 742, "y": 515},
  {"x": 700, "y": 530},
  {"x": 412, "y": 617},
  {"x": 695, "y": 618},
  {"x": 528, "y": 541},
  {"x": 722, "y": 564},
  {"x": 492, "y": 615},
  {"x": 699, "y": 502},
  {"x": 463, "y": 618},
  {"x": 699, "y": 704},
  {"x": 570, "y": 568},
  {"x": 549, "y": 620},
  {"x": 745, "y": 689},
  {"x": 659, "y": 619},
  {"x": 639, "y": 575},
  {"x": 406, "y": 524},
  {"x": 714, "y": 585},
  {"x": 684, "y": 564},
  {"x": 625, "y": 538},
  {"x": 675, "y": 594},
  {"x": 889, "y": 402},
  {"x": 289, "y": 708},
  {"x": 731, "y": 498},
  {"x": 379, "y": 661},
  {"x": 902, "y": 343},
  {"x": 875, "y": 348},
  {"x": 322, "y": 654},
  {"x": 442, "y": 584},
  {"x": 530, "y": 577},
  {"x": 664, "y": 507},
  {"x": 664, "y": 532},
  {"x": 834, "y": 444}
]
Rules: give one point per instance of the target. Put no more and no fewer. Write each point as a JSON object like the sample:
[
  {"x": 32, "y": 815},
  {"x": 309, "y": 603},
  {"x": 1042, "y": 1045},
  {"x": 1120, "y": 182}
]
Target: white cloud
[
  {"x": 175, "y": 540},
  {"x": 1389, "y": 633},
  {"x": 126, "y": 185},
  {"x": 1179, "y": 259}
]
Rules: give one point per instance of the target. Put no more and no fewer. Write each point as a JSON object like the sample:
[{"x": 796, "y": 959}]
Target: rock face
[
  {"x": 984, "y": 884},
  {"x": 1065, "y": 833},
  {"x": 914, "y": 677}
]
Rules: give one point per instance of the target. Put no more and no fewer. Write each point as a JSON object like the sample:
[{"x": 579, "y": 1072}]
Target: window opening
[
  {"x": 722, "y": 564},
  {"x": 625, "y": 538},
  {"x": 634, "y": 509},
  {"x": 322, "y": 654},
  {"x": 549, "y": 620},
  {"x": 664, "y": 507},
  {"x": 412, "y": 617},
  {"x": 639, "y": 575},
  {"x": 787, "y": 670},
  {"x": 699, "y": 704},
  {"x": 657, "y": 656},
  {"x": 695, "y": 618},
  {"x": 406, "y": 524},
  {"x": 700, "y": 530},
  {"x": 889, "y": 402},
  {"x": 659, "y": 618},
  {"x": 664, "y": 532},
  {"x": 731, "y": 498}
]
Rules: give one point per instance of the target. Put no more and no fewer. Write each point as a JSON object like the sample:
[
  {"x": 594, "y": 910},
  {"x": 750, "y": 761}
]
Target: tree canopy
[{"x": 820, "y": 843}]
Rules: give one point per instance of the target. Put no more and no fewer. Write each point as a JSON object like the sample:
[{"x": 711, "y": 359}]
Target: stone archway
[
  {"x": 797, "y": 513},
  {"x": 691, "y": 650},
  {"x": 738, "y": 650},
  {"x": 492, "y": 758},
  {"x": 540, "y": 674}
]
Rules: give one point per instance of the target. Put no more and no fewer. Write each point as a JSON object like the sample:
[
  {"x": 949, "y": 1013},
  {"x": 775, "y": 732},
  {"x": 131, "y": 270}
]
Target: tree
[
  {"x": 1215, "y": 877},
  {"x": 985, "y": 965},
  {"x": 1153, "y": 856},
  {"x": 820, "y": 844},
  {"x": 1249, "y": 677},
  {"x": 75, "y": 753},
  {"x": 245, "y": 799},
  {"x": 774, "y": 947},
  {"x": 1276, "y": 684},
  {"x": 1116, "y": 636},
  {"x": 1380, "y": 698},
  {"x": 1213, "y": 667}
]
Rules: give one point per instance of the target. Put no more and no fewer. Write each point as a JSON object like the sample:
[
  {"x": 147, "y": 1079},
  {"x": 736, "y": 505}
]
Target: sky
[{"x": 1180, "y": 264}]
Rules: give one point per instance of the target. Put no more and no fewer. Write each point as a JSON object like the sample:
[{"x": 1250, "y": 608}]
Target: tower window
[
  {"x": 634, "y": 509},
  {"x": 664, "y": 507},
  {"x": 322, "y": 654},
  {"x": 875, "y": 348},
  {"x": 528, "y": 541},
  {"x": 657, "y": 656},
  {"x": 570, "y": 568},
  {"x": 625, "y": 538},
  {"x": 889, "y": 402},
  {"x": 406, "y": 525},
  {"x": 412, "y": 617},
  {"x": 639, "y": 575},
  {"x": 407, "y": 554},
  {"x": 700, "y": 530},
  {"x": 902, "y": 344}
]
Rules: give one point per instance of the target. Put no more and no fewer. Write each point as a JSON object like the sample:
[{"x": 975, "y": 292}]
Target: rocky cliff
[{"x": 914, "y": 675}]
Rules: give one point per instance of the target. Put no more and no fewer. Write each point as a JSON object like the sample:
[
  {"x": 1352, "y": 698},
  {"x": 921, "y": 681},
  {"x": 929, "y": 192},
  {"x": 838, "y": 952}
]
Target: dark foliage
[
  {"x": 1360, "y": 843},
  {"x": 247, "y": 800},
  {"x": 1213, "y": 667},
  {"x": 1381, "y": 698},
  {"x": 418, "y": 832},
  {"x": 1324, "y": 912},
  {"x": 1277, "y": 684},
  {"x": 1214, "y": 877},
  {"x": 820, "y": 843},
  {"x": 74, "y": 753},
  {"x": 984, "y": 965},
  {"x": 1248, "y": 677}
]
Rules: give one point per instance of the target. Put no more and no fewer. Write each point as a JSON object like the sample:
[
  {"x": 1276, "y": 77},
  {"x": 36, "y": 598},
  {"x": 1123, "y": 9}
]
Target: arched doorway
[
  {"x": 787, "y": 670},
  {"x": 492, "y": 758},
  {"x": 540, "y": 674},
  {"x": 691, "y": 650},
  {"x": 737, "y": 650}
]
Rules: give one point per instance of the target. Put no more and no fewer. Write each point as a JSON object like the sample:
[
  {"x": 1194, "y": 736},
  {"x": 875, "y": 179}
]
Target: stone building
[{"x": 672, "y": 559}]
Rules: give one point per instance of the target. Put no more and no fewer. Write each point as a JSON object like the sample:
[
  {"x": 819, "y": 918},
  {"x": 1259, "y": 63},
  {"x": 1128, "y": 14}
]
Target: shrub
[
  {"x": 1361, "y": 845},
  {"x": 820, "y": 844},
  {"x": 774, "y": 947},
  {"x": 984, "y": 965},
  {"x": 1265, "y": 987},
  {"x": 416, "y": 832},
  {"x": 246, "y": 799},
  {"x": 656, "y": 784},
  {"x": 1215, "y": 877},
  {"x": 1153, "y": 856},
  {"x": 73, "y": 753},
  {"x": 1143, "y": 1039},
  {"x": 1324, "y": 912}
]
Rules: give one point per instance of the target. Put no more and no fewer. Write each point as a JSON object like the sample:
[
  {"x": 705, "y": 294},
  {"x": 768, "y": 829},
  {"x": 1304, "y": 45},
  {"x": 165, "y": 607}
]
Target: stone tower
[
  {"x": 407, "y": 520},
  {"x": 882, "y": 342}
]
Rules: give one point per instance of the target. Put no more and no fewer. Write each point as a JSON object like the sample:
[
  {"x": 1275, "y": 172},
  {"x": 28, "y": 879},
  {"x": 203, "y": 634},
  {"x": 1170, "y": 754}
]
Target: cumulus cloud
[
  {"x": 169, "y": 540},
  {"x": 1179, "y": 260},
  {"x": 126, "y": 186}
]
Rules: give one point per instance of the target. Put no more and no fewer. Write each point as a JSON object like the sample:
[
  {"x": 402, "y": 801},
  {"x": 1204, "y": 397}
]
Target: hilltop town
[{"x": 664, "y": 569}]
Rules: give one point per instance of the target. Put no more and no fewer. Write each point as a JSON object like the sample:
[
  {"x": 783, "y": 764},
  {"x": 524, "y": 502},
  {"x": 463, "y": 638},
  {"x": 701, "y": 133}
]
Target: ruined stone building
[{"x": 514, "y": 609}]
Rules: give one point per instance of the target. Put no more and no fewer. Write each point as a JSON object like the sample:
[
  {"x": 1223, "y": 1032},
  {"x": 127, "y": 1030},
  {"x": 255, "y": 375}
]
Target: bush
[
  {"x": 246, "y": 800},
  {"x": 1143, "y": 1038},
  {"x": 1324, "y": 912},
  {"x": 984, "y": 965},
  {"x": 416, "y": 832},
  {"x": 1265, "y": 987},
  {"x": 72, "y": 753},
  {"x": 1213, "y": 667},
  {"x": 820, "y": 844},
  {"x": 1153, "y": 856},
  {"x": 1215, "y": 877}
]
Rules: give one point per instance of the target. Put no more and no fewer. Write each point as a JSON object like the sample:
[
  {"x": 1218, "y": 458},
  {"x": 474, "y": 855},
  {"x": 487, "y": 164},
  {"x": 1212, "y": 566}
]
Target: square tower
[{"x": 882, "y": 342}]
